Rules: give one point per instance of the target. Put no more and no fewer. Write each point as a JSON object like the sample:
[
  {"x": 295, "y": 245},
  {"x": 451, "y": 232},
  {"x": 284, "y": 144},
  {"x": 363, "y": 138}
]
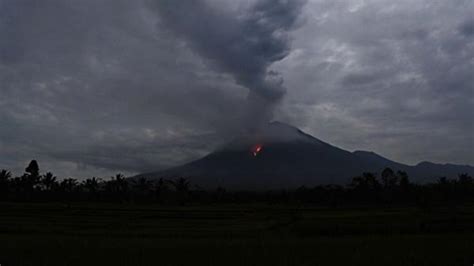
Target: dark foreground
[{"x": 125, "y": 234}]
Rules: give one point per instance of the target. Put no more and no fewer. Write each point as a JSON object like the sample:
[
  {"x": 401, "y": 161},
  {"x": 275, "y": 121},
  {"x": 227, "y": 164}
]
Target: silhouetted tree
[
  {"x": 141, "y": 188},
  {"x": 220, "y": 194},
  {"x": 443, "y": 181},
  {"x": 122, "y": 184},
  {"x": 68, "y": 185},
  {"x": 365, "y": 187},
  {"x": 465, "y": 186},
  {"x": 395, "y": 188},
  {"x": 404, "y": 181},
  {"x": 5, "y": 177},
  {"x": 444, "y": 189},
  {"x": 389, "y": 179},
  {"x": 117, "y": 187},
  {"x": 465, "y": 179},
  {"x": 33, "y": 168},
  {"x": 91, "y": 184},
  {"x": 390, "y": 185},
  {"x": 181, "y": 186},
  {"x": 48, "y": 182},
  {"x": 367, "y": 181},
  {"x": 30, "y": 179},
  {"x": 160, "y": 188},
  {"x": 142, "y": 185}
]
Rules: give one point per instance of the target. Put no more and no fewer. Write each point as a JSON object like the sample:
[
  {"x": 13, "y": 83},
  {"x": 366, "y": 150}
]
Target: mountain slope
[
  {"x": 282, "y": 156},
  {"x": 377, "y": 163}
]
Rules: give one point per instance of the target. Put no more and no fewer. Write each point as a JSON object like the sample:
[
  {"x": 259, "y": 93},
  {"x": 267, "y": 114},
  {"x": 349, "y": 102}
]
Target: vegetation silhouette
[{"x": 388, "y": 188}]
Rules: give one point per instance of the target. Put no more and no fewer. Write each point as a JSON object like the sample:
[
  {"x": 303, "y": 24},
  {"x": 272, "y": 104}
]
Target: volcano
[{"x": 282, "y": 156}]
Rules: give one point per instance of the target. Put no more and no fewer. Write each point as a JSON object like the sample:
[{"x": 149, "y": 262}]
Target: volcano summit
[{"x": 282, "y": 156}]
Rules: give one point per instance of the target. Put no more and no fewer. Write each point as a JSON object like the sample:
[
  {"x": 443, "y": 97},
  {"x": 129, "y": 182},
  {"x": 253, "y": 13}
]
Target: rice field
[{"x": 258, "y": 234}]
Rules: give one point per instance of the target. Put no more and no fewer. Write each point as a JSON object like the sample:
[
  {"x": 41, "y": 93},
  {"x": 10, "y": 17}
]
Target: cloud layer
[{"x": 96, "y": 87}]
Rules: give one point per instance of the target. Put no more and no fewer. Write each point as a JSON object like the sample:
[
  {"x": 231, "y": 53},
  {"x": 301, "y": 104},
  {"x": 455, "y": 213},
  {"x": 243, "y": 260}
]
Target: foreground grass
[{"x": 109, "y": 234}]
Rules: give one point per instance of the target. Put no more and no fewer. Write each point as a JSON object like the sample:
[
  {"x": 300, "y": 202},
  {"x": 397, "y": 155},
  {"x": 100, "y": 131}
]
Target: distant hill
[{"x": 282, "y": 156}]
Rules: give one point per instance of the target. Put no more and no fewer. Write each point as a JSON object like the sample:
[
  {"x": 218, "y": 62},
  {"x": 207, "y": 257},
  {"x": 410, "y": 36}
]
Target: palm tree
[
  {"x": 91, "y": 184},
  {"x": 404, "y": 181},
  {"x": 68, "y": 185},
  {"x": 117, "y": 186},
  {"x": 443, "y": 181},
  {"x": 141, "y": 184},
  {"x": 159, "y": 188},
  {"x": 5, "y": 177},
  {"x": 122, "y": 183},
  {"x": 465, "y": 179},
  {"x": 48, "y": 181},
  {"x": 181, "y": 184},
  {"x": 160, "y": 185}
]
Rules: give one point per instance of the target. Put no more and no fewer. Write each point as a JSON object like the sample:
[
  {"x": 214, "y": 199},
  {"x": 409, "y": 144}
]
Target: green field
[{"x": 126, "y": 234}]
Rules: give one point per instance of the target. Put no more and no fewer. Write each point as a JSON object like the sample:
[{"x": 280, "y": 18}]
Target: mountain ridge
[{"x": 287, "y": 158}]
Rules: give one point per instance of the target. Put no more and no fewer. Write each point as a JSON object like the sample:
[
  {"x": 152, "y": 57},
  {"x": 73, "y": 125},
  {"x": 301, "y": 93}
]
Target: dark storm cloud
[
  {"x": 94, "y": 82},
  {"x": 94, "y": 87},
  {"x": 388, "y": 76},
  {"x": 467, "y": 28},
  {"x": 355, "y": 79}
]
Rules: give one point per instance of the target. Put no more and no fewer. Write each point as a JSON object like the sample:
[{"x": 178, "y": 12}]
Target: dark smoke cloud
[{"x": 243, "y": 46}]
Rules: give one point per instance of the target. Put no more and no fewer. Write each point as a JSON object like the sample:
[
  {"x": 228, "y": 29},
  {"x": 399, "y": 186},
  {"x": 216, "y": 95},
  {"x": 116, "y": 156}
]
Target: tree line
[{"x": 390, "y": 187}]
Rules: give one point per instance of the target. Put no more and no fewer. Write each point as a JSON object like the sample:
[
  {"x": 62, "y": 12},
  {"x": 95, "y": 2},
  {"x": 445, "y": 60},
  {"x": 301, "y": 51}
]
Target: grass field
[{"x": 116, "y": 234}]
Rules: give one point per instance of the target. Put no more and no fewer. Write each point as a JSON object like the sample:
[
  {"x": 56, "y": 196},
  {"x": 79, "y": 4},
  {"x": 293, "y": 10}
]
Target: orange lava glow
[{"x": 256, "y": 149}]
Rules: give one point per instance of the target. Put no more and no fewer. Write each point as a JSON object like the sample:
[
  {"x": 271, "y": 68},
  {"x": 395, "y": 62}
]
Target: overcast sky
[{"x": 96, "y": 87}]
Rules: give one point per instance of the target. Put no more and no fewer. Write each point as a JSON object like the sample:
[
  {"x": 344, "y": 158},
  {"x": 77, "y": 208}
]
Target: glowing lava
[{"x": 256, "y": 149}]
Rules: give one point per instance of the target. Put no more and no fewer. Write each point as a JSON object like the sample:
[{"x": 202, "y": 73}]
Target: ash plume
[{"x": 243, "y": 46}]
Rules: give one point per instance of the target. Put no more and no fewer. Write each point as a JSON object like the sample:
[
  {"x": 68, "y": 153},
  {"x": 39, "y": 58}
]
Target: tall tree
[
  {"x": 389, "y": 179},
  {"x": 48, "y": 181},
  {"x": 142, "y": 185},
  {"x": 465, "y": 179},
  {"x": 91, "y": 184},
  {"x": 5, "y": 178},
  {"x": 33, "y": 168},
  {"x": 404, "y": 181},
  {"x": 30, "y": 179},
  {"x": 181, "y": 186}
]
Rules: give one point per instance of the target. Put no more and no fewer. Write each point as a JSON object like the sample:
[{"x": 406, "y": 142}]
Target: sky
[{"x": 98, "y": 87}]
